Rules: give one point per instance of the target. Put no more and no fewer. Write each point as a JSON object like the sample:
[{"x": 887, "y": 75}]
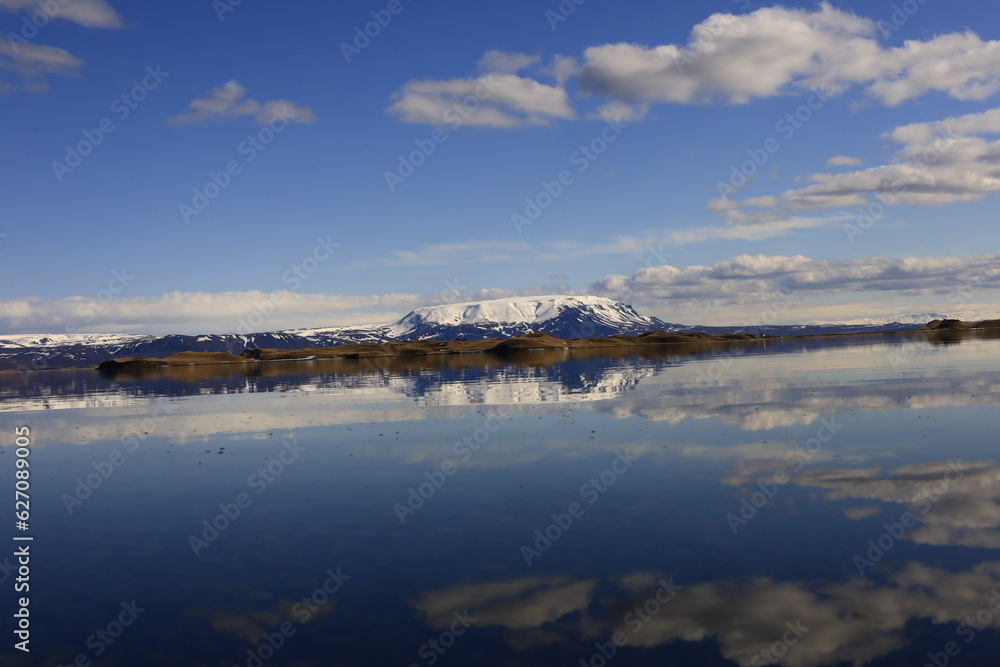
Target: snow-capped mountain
[
  {"x": 561, "y": 316},
  {"x": 916, "y": 319}
]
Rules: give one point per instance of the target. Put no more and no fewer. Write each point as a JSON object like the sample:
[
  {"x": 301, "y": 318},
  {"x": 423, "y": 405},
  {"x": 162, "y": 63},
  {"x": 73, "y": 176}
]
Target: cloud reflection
[{"x": 856, "y": 620}]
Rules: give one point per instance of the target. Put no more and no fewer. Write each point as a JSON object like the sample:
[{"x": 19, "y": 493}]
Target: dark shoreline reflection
[
  {"x": 273, "y": 376},
  {"x": 651, "y": 558}
]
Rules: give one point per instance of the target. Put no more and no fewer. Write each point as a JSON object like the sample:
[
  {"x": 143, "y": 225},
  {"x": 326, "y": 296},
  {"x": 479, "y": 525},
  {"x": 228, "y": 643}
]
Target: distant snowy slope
[
  {"x": 562, "y": 316},
  {"x": 916, "y": 319},
  {"x": 60, "y": 340},
  {"x": 520, "y": 310}
]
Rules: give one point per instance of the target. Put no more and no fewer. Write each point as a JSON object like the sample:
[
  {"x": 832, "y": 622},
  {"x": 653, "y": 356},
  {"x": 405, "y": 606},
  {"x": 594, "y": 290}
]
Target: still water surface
[{"x": 798, "y": 502}]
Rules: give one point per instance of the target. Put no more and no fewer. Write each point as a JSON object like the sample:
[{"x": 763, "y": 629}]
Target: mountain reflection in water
[{"x": 744, "y": 533}]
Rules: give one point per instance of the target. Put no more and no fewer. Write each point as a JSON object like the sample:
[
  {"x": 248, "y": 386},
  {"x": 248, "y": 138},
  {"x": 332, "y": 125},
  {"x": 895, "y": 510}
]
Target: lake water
[{"x": 798, "y": 502}]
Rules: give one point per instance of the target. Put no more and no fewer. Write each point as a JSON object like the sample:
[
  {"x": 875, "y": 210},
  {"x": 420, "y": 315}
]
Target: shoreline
[{"x": 944, "y": 331}]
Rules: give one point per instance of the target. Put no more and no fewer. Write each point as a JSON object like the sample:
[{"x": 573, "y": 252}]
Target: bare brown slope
[{"x": 533, "y": 341}]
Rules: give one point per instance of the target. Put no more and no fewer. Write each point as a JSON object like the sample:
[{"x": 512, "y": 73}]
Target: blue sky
[{"x": 732, "y": 148}]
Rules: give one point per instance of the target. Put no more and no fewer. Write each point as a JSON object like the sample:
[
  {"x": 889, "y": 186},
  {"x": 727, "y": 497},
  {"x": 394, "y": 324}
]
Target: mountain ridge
[{"x": 565, "y": 317}]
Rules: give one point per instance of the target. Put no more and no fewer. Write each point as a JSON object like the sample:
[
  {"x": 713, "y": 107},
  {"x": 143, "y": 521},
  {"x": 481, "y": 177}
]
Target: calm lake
[{"x": 797, "y": 502}]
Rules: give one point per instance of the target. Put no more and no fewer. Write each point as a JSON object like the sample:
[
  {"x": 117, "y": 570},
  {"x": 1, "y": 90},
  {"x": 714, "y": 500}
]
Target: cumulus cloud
[
  {"x": 941, "y": 162},
  {"x": 88, "y": 13},
  {"x": 969, "y": 125},
  {"x": 748, "y": 284},
  {"x": 493, "y": 100},
  {"x": 229, "y": 101},
  {"x": 498, "y": 98},
  {"x": 727, "y": 59},
  {"x": 776, "y": 51},
  {"x": 752, "y": 278}
]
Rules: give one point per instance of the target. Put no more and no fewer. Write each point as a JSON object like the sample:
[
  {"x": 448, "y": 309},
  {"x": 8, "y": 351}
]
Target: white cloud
[
  {"x": 969, "y": 125},
  {"x": 959, "y": 64},
  {"x": 732, "y": 59},
  {"x": 31, "y": 63},
  {"x": 88, "y": 13},
  {"x": 737, "y": 288},
  {"x": 493, "y": 100},
  {"x": 776, "y": 51},
  {"x": 500, "y": 62},
  {"x": 758, "y": 278},
  {"x": 729, "y": 59},
  {"x": 199, "y": 312},
  {"x": 939, "y": 163},
  {"x": 844, "y": 161},
  {"x": 229, "y": 101}
]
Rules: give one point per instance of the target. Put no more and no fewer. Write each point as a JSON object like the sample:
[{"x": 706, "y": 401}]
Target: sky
[{"x": 181, "y": 167}]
